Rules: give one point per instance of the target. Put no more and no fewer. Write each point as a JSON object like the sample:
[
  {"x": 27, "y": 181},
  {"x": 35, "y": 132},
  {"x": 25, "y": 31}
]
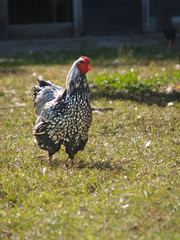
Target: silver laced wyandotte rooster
[{"x": 64, "y": 115}]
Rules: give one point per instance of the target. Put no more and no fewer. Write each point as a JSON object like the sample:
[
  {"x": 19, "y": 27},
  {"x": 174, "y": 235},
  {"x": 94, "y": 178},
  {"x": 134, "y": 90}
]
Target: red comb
[{"x": 86, "y": 59}]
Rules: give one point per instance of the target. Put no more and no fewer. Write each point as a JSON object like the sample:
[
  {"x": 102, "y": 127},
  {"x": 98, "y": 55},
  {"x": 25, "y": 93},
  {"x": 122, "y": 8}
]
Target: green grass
[{"x": 125, "y": 184}]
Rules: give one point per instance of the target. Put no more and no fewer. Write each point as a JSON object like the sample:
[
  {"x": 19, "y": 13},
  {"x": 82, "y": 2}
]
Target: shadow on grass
[
  {"x": 102, "y": 166},
  {"x": 99, "y": 56},
  {"x": 150, "y": 98},
  {"x": 99, "y": 165}
]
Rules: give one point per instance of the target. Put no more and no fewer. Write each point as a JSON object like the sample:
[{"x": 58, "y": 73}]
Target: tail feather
[
  {"x": 39, "y": 87},
  {"x": 43, "y": 83},
  {"x": 45, "y": 92}
]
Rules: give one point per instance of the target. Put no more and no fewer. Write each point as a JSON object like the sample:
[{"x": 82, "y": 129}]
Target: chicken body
[
  {"x": 170, "y": 34},
  {"x": 64, "y": 116}
]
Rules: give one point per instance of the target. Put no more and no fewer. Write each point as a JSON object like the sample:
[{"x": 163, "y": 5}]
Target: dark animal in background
[
  {"x": 170, "y": 34},
  {"x": 64, "y": 116}
]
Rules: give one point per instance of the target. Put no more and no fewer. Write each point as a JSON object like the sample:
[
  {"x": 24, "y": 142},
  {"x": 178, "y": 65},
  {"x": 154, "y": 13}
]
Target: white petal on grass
[
  {"x": 20, "y": 104},
  {"x": 44, "y": 170},
  {"x": 145, "y": 193},
  {"x": 121, "y": 200},
  {"x": 177, "y": 66},
  {"x": 11, "y": 91},
  {"x": 169, "y": 89},
  {"x": 34, "y": 74},
  {"x": 148, "y": 144},
  {"x": 170, "y": 104},
  {"x": 125, "y": 206}
]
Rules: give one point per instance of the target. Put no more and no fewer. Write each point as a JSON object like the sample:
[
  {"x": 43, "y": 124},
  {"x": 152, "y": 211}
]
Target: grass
[{"x": 125, "y": 184}]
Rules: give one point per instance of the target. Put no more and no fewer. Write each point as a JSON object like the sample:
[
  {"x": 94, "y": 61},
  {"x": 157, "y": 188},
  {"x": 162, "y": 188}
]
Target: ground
[
  {"x": 33, "y": 45},
  {"x": 125, "y": 184}
]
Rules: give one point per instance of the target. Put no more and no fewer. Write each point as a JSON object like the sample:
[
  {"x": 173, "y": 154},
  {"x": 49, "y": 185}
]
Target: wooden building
[{"x": 65, "y": 18}]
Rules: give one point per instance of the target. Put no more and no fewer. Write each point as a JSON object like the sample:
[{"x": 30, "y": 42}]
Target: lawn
[{"x": 125, "y": 184}]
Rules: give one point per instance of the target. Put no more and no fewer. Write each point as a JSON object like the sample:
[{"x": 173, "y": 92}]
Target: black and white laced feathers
[{"x": 64, "y": 116}]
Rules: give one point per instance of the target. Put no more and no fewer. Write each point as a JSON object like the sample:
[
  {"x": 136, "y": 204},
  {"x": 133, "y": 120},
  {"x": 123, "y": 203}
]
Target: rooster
[
  {"x": 170, "y": 34},
  {"x": 64, "y": 115}
]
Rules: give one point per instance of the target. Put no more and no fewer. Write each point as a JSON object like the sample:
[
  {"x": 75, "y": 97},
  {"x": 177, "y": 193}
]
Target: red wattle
[
  {"x": 84, "y": 68},
  {"x": 88, "y": 68}
]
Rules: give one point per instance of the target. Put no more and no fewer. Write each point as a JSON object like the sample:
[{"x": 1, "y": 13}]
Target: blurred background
[{"x": 21, "y": 19}]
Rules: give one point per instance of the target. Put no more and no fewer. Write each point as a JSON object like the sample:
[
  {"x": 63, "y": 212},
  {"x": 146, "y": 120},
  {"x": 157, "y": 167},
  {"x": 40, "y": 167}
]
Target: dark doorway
[
  {"x": 112, "y": 16},
  {"x": 39, "y": 11}
]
